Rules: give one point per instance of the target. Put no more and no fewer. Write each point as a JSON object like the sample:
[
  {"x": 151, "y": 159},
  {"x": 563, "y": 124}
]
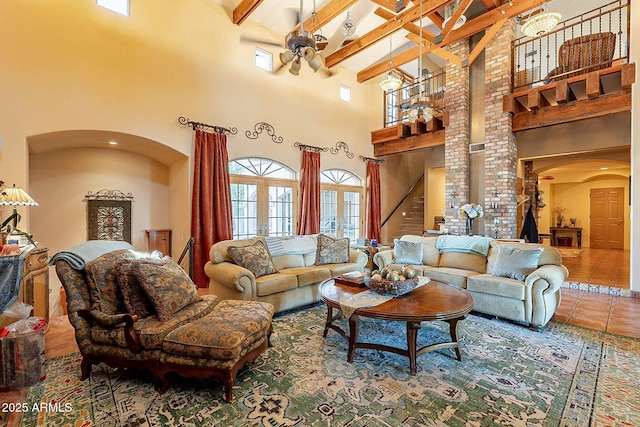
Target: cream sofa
[
  {"x": 532, "y": 300},
  {"x": 295, "y": 282}
]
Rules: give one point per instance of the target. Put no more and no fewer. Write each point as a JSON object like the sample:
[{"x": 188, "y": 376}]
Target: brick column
[
  {"x": 501, "y": 154},
  {"x": 457, "y": 138}
]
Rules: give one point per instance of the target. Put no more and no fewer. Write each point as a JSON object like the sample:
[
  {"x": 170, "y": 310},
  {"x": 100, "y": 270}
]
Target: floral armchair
[{"x": 136, "y": 310}]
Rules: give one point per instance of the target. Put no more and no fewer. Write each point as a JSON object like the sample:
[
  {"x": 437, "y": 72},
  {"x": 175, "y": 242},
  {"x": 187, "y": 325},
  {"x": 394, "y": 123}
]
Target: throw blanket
[
  {"x": 10, "y": 275},
  {"x": 79, "y": 255},
  {"x": 470, "y": 244}
]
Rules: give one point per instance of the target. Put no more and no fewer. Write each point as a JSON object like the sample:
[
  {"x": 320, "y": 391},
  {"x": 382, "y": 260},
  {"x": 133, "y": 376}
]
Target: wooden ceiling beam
[
  {"x": 429, "y": 47},
  {"x": 491, "y": 4},
  {"x": 382, "y": 31},
  {"x": 327, "y": 14},
  {"x": 244, "y": 10},
  {"x": 389, "y": 4},
  {"x": 462, "y": 8},
  {"x": 486, "y": 38},
  {"x": 383, "y": 66},
  {"x": 489, "y": 18},
  {"x": 412, "y": 143}
]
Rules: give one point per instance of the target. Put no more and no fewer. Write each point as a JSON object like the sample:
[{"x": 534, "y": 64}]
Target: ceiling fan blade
[
  {"x": 247, "y": 39},
  {"x": 293, "y": 16}
]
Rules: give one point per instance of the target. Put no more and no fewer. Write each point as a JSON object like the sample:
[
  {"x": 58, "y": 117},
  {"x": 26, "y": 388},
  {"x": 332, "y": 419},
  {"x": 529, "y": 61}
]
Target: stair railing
[
  {"x": 407, "y": 194},
  {"x": 188, "y": 248}
]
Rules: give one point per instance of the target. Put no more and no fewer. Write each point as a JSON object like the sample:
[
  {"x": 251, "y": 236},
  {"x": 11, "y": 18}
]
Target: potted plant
[{"x": 558, "y": 211}]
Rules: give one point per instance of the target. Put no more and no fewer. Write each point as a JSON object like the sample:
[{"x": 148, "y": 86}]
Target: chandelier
[
  {"x": 301, "y": 44},
  {"x": 420, "y": 106},
  {"x": 542, "y": 23},
  {"x": 390, "y": 81}
]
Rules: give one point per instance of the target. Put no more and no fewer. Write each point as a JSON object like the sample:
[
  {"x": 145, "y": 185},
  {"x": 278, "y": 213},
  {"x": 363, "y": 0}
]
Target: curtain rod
[
  {"x": 371, "y": 159},
  {"x": 204, "y": 126},
  {"x": 310, "y": 147}
]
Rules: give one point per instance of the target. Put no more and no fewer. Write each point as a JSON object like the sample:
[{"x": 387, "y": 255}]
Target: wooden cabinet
[
  {"x": 34, "y": 287},
  {"x": 159, "y": 240}
]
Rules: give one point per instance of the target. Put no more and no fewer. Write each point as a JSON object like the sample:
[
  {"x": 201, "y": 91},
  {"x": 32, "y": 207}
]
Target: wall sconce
[
  {"x": 496, "y": 223},
  {"x": 452, "y": 201},
  {"x": 494, "y": 203}
]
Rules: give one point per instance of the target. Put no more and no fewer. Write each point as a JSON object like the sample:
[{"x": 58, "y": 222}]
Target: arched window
[
  {"x": 262, "y": 198},
  {"x": 340, "y": 203}
]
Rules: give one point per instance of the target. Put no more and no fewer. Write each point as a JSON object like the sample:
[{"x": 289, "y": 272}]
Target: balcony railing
[
  {"x": 398, "y": 102},
  {"x": 591, "y": 41}
]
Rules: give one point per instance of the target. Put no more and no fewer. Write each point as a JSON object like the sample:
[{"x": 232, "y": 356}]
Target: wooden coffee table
[{"x": 433, "y": 301}]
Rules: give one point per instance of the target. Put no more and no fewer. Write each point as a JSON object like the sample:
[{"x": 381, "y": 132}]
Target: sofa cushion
[
  {"x": 405, "y": 252},
  {"x": 135, "y": 298},
  {"x": 464, "y": 261},
  {"x": 166, "y": 284},
  {"x": 453, "y": 276},
  {"x": 102, "y": 279},
  {"x": 516, "y": 263},
  {"x": 332, "y": 250},
  {"x": 254, "y": 257},
  {"x": 288, "y": 261},
  {"x": 274, "y": 283},
  {"x": 152, "y": 331},
  {"x": 489, "y": 284},
  {"x": 225, "y": 333},
  {"x": 309, "y": 275}
]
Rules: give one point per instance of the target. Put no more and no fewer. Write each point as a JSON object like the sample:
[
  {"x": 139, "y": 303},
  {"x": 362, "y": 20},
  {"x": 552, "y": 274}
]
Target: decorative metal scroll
[
  {"x": 370, "y": 159},
  {"x": 109, "y": 215},
  {"x": 264, "y": 126},
  {"x": 340, "y": 145},
  {"x": 310, "y": 147},
  {"x": 204, "y": 126}
]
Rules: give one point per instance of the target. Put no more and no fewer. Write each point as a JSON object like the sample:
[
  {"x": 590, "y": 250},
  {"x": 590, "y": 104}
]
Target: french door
[
  {"x": 263, "y": 207},
  {"x": 340, "y": 210}
]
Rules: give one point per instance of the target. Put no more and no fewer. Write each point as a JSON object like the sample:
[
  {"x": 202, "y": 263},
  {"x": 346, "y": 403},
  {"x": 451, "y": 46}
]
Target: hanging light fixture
[
  {"x": 390, "y": 81},
  {"x": 420, "y": 105},
  {"x": 541, "y": 23},
  {"x": 348, "y": 27},
  {"x": 302, "y": 44}
]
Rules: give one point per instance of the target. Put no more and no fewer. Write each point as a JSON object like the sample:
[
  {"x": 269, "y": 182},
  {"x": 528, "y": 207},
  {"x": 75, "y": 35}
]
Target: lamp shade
[
  {"x": 295, "y": 67},
  {"x": 316, "y": 63},
  {"x": 14, "y": 196},
  {"x": 286, "y": 57},
  {"x": 390, "y": 82},
  {"x": 540, "y": 24}
]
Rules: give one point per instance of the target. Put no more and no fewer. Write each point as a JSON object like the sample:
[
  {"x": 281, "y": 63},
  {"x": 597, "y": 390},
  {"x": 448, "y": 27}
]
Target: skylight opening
[
  {"x": 264, "y": 60},
  {"x": 117, "y": 6}
]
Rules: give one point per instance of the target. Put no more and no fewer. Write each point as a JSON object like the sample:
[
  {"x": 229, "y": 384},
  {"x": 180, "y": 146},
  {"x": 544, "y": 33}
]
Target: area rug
[
  {"x": 509, "y": 375},
  {"x": 569, "y": 253}
]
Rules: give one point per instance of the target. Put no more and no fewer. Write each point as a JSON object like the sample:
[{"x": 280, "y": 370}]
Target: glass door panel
[
  {"x": 280, "y": 211},
  {"x": 245, "y": 210},
  {"x": 329, "y": 212},
  {"x": 351, "y": 219}
]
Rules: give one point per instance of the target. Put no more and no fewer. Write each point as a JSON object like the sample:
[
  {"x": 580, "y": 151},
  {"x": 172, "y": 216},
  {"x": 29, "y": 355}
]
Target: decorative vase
[{"x": 470, "y": 222}]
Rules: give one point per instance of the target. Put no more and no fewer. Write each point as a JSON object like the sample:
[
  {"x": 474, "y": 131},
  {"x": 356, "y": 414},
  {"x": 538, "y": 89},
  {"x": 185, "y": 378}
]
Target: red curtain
[
  {"x": 372, "y": 213},
  {"x": 211, "y": 219},
  {"x": 309, "y": 207}
]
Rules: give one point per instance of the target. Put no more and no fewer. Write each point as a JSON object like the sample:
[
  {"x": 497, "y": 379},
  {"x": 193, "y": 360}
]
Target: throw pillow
[
  {"x": 331, "y": 250},
  {"x": 254, "y": 257},
  {"x": 103, "y": 282},
  {"x": 516, "y": 263},
  {"x": 406, "y": 252},
  {"x": 166, "y": 284},
  {"x": 135, "y": 298}
]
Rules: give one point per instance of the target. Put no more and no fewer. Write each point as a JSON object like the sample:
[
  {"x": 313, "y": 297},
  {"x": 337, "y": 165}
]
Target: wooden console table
[{"x": 554, "y": 231}]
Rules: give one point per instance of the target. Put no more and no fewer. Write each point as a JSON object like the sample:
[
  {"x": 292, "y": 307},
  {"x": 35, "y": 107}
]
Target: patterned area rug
[{"x": 509, "y": 375}]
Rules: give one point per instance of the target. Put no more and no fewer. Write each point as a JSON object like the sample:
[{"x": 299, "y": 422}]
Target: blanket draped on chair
[
  {"x": 79, "y": 255},
  {"x": 470, "y": 244}
]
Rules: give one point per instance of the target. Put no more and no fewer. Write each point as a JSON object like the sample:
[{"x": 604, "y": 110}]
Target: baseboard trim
[{"x": 607, "y": 290}]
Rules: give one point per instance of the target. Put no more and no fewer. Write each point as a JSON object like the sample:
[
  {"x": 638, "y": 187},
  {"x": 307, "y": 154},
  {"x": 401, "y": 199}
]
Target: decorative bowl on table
[{"x": 395, "y": 282}]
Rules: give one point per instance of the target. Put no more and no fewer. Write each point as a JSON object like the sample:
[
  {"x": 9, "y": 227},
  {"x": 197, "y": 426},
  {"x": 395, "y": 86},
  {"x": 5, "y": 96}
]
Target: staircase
[{"x": 413, "y": 222}]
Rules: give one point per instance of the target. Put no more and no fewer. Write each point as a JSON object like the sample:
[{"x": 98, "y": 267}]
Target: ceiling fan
[{"x": 301, "y": 44}]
